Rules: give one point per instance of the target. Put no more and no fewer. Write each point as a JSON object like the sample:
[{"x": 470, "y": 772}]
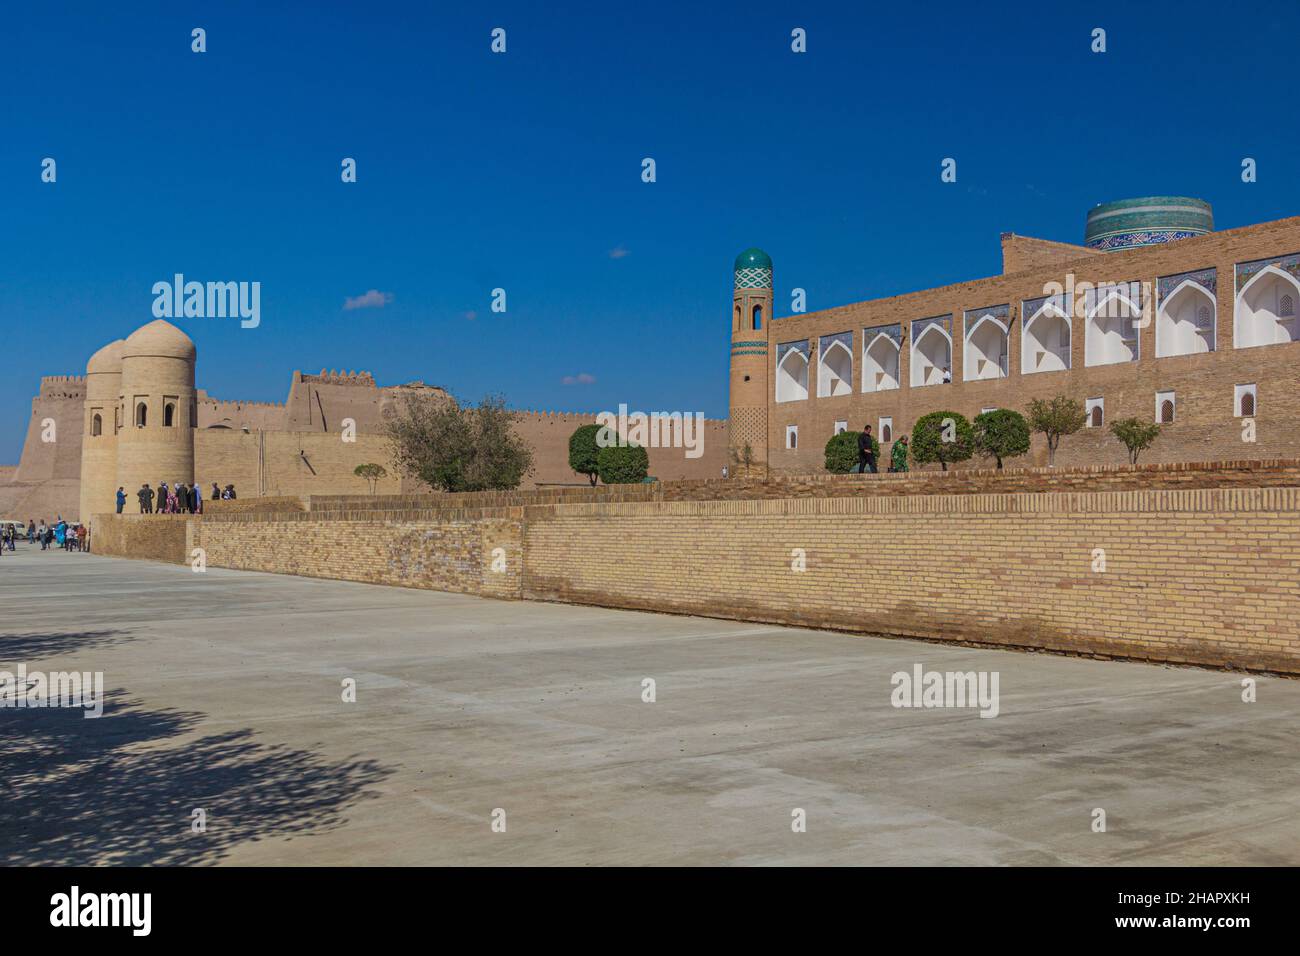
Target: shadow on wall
[{"x": 120, "y": 789}]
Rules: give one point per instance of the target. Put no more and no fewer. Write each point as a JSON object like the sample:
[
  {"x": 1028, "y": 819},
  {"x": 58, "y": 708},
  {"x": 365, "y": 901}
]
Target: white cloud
[
  {"x": 582, "y": 378},
  {"x": 618, "y": 252},
  {"x": 374, "y": 299}
]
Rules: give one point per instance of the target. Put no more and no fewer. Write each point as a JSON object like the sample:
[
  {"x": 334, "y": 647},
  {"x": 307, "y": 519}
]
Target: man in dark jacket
[
  {"x": 866, "y": 453},
  {"x": 162, "y": 497},
  {"x": 145, "y": 494}
]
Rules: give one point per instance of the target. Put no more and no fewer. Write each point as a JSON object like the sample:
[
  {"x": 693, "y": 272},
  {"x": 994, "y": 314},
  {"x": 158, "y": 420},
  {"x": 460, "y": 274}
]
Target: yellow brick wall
[
  {"x": 439, "y": 553},
  {"x": 1209, "y": 577}
]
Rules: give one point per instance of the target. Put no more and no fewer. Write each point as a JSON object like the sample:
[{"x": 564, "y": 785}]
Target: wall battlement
[{"x": 341, "y": 378}]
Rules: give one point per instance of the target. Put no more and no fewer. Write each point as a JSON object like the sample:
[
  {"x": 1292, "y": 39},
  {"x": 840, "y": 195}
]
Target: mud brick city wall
[
  {"x": 435, "y": 552},
  {"x": 1208, "y": 577}
]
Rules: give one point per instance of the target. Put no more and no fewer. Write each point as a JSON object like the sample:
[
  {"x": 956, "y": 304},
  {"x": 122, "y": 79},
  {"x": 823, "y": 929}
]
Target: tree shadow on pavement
[{"x": 121, "y": 789}]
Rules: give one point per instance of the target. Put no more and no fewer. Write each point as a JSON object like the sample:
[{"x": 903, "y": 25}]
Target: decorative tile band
[
  {"x": 785, "y": 348},
  {"x": 1248, "y": 270},
  {"x": 751, "y": 278},
  {"x": 1207, "y": 279}
]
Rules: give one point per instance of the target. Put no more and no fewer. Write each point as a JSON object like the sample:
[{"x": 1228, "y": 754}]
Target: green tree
[
  {"x": 944, "y": 437},
  {"x": 1054, "y": 417},
  {"x": 583, "y": 451},
  {"x": 372, "y": 473},
  {"x": 1001, "y": 433},
  {"x": 456, "y": 448},
  {"x": 842, "y": 452},
  {"x": 623, "y": 464},
  {"x": 1136, "y": 435}
]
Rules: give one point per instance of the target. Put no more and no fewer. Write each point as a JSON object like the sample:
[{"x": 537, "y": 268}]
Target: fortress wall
[
  {"x": 1204, "y": 577},
  {"x": 232, "y": 457},
  {"x": 62, "y": 398},
  {"x": 548, "y": 435}
]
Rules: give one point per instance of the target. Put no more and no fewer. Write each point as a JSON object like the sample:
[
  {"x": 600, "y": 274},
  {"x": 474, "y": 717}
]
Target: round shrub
[{"x": 623, "y": 464}]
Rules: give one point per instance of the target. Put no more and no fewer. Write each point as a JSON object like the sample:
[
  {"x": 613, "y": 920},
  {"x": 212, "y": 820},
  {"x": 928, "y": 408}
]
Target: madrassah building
[{"x": 1155, "y": 316}]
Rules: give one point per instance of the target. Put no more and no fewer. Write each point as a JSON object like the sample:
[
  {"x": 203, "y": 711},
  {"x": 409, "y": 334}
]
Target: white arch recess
[
  {"x": 1111, "y": 334},
  {"x": 835, "y": 374},
  {"x": 931, "y": 354},
  {"x": 880, "y": 364},
  {"x": 1259, "y": 318},
  {"x": 1177, "y": 330},
  {"x": 792, "y": 377},
  {"x": 1045, "y": 341},
  {"x": 985, "y": 355}
]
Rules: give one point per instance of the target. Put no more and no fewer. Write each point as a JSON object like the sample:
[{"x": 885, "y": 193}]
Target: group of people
[
  {"x": 178, "y": 498},
  {"x": 867, "y": 453},
  {"x": 69, "y": 537}
]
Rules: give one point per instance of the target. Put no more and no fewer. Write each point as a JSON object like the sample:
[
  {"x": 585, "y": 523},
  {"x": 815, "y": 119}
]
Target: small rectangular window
[
  {"x": 1244, "y": 401},
  {"x": 791, "y": 436},
  {"x": 886, "y": 430},
  {"x": 1165, "y": 408},
  {"x": 841, "y": 426}
]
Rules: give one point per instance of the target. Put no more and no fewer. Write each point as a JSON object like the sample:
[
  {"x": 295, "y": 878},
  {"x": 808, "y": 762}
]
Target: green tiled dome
[
  {"x": 1146, "y": 221},
  {"x": 753, "y": 259}
]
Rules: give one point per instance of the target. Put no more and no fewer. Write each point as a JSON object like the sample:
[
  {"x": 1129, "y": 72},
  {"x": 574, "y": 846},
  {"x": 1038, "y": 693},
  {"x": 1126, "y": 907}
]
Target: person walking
[
  {"x": 866, "y": 452},
  {"x": 121, "y": 499},
  {"x": 898, "y": 455},
  {"x": 40, "y": 533},
  {"x": 31, "y": 530}
]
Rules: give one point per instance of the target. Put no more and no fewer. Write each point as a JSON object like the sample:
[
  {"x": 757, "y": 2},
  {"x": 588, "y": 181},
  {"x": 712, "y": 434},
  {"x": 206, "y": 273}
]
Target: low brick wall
[
  {"x": 1202, "y": 568},
  {"x": 1207, "y": 577},
  {"x": 149, "y": 537},
  {"x": 429, "y": 551}
]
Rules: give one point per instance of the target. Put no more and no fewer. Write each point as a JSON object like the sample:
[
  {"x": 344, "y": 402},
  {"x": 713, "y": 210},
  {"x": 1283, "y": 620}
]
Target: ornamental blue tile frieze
[
  {"x": 785, "y": 348},
  {"x": 1246, "y": 271},
  {"x": 972, "y": 316},
  {"x": 920, "y": 325},
  {"x": 891, "y": 332},
  {"x": 1207, "y": 279}
]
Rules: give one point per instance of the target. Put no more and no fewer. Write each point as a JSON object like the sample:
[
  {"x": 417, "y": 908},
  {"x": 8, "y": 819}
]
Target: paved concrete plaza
[{"x": 226, "y": 695}]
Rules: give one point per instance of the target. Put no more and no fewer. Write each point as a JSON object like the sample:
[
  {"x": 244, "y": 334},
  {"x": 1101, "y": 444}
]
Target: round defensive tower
[
  {"x": 99, "y": 432},
  {"x": 751, "y": 311},
  {"x": 1146, "y": 221},
  {"x": 157, "y": 408}
]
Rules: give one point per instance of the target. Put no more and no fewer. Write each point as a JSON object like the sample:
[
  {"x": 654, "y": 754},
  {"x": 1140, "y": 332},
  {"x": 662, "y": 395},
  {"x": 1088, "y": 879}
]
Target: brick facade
[{"x": 1204, "y": 426}]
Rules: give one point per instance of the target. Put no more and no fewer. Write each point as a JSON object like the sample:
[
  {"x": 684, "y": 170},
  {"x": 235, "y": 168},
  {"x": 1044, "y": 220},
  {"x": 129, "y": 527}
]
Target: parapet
[
  {"x": 63, "y": 386},
  {"x": 341, "y": 378}
]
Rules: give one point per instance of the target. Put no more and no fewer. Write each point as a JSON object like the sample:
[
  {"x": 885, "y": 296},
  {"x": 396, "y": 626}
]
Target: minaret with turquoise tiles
[{"x": 751, "y": 315}]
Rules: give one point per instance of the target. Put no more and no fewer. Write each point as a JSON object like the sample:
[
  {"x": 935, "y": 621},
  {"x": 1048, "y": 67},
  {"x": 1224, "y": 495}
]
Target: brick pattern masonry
[{"x": 1201, "y": 563}]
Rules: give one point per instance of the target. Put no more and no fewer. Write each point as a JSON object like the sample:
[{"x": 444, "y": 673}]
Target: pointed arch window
[
  {"x": 758, "y": 317},
  {"x": 96, "y": 425},
  {"x": 169, "y": 415},
  {"x": 141, "y": 415}
]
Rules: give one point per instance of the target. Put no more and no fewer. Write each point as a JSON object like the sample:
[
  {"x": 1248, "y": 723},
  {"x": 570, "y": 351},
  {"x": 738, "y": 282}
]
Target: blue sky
[{"x": 522, "y": 171}]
